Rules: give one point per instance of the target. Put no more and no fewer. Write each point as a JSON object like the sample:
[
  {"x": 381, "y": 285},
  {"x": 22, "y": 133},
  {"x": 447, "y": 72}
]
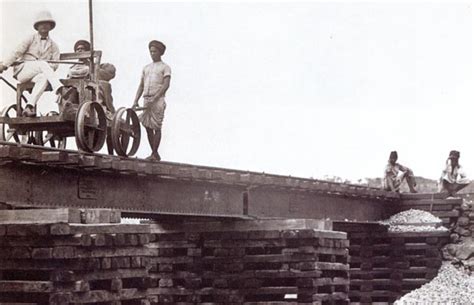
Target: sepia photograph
[{"x": 236, "y": 152}]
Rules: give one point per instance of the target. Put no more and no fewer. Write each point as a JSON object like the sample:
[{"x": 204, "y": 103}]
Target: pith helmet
[{"x": 44, "y": 16}]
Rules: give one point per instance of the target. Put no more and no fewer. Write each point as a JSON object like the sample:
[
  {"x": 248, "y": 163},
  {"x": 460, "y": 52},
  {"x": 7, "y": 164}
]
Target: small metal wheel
[
  {"x": 50, "y": 139},
  {"x": 125, "y": 127},
  {"x": 7, "y": 133},
  {"x": 90, "y": 127}
]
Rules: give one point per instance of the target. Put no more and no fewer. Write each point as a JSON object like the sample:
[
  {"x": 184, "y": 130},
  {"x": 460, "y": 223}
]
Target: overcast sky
[{"x": 303, "y": 89}]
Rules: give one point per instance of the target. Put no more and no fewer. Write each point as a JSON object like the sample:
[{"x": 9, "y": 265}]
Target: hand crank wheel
[
  {"x": 125, "y": 127},
  {"x": 90, "y": 127}
]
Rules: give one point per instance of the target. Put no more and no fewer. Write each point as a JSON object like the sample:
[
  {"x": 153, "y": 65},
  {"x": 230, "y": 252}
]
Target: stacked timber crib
[
  {"x": 75, "y": 256},
  {"x": 63, "y": 261},
  {"x": 386, "y": 265},
  {"x": 244, "y": 265}
]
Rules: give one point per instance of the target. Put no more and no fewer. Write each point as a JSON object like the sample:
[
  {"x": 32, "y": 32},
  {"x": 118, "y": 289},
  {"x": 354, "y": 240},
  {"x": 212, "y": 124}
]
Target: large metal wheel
[
  {"x": 125, "y": 127},
  {"x": 50, "y": 139},
  {"x": 7, "y": 133},
  {"x": 90, "y": 127}
]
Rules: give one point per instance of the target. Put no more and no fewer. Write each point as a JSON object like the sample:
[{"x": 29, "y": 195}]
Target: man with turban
[
  {"x": 453, "y": 178},
  {"x": 33, "y": 54},
  {"x": 395, "y": 173},
  {"x": 154, "y": 83}
]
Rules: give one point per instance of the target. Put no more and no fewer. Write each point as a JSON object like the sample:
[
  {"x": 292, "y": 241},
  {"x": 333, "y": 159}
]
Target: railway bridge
[
  {"x": 214, "y": 235},
  {"x": 32, "y": 175}
]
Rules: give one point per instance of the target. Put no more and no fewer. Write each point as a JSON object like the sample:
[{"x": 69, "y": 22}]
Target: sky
[{"x": 309, "y": 89}]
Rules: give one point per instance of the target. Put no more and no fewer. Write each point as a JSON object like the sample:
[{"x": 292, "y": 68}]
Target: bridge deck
[{"x": 94, "y": 180}]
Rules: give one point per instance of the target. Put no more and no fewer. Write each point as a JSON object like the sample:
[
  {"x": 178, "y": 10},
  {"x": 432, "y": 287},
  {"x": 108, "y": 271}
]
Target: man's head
[
  {"x": 454, "y": 154},
  {"x": 44, "y": 23},
  {"x": 393, "y": 157},
  {"x": 454, "y": 157},
  {"x": 82, "y": 46},
  {"x": 157, "y": 49}
]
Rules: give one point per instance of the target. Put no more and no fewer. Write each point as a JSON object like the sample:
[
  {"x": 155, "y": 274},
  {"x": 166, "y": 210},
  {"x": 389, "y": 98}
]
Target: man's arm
[
  {"x": 389, "y": 178},
  {"x": 403, "y": 168},
  {"x": 163, "y": 89},
  {"x": 55, "y": 56},
  {"x": 18, "y": 52}
]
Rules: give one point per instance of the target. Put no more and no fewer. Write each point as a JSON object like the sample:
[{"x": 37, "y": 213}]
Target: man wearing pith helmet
[
  {"x": 33, "y": 54},
  {"x": 154, "y": 83}
]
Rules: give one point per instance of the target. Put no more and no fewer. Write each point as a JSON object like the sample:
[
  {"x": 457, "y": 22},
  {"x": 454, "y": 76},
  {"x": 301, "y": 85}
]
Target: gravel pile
[
  {"x": 450, "y": 286},
  {"x": 412, "y": 221},
  {"x": 412, "y": 216},
  {"x": 408, "y": 228}
]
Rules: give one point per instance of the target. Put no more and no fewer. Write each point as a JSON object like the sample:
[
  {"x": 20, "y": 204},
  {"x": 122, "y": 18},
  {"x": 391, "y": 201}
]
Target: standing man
[
  {"x": 154, "y": 83},
  {"x": 453, "y": 178},
  {"x": 395, "y": 173},
  {"x": 33, "y": 54}
]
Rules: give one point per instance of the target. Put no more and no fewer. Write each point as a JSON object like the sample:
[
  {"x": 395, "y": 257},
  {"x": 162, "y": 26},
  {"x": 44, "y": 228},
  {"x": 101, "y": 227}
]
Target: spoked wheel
[
  {"x": 7, "y": 133},
  {"x": 125, "y": 127},
  {"x": 90, "y": 127},
  {"x": 50, "y": 139}
]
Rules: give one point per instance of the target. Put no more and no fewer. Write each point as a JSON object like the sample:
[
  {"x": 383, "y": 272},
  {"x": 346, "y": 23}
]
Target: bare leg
[
  {"x": 151, "y": 140},
  {"x": 156, "y": 144},
  {"x": 411, "y": 181}
]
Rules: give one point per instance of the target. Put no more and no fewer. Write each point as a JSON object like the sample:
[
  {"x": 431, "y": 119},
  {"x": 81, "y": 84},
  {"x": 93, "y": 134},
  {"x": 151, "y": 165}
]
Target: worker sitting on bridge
[
  {"x": 154, "y": 83},
  {"x": 395, "y": 173},
  {"x": 33, "y": 54},
  {"x": 453, "y": 177}
]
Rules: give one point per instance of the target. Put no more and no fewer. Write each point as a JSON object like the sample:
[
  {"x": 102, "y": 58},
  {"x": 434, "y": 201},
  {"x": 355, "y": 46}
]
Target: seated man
[
  {"x": 453, "y": 178},
  {"x": 33, "y": 54},
  {"x": 105, "y": 73},
  {"x": 395, "y": 173}
]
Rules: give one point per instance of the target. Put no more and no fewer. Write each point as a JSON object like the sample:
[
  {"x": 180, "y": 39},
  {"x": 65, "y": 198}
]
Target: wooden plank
[
  {"x": 415, "y": 196},
  {"x": 87, "y": 161},
  {"x": 20, "y": 263},
  {"x": 13, "y": 303},
  {"x": 110, "y": 274},
  {"x": 27, "y": 229},
  {"x": 26, "y": 286},
  {"x": 53, "y": 157},
  {"x": 28, "y": 241},
  {"x": 250, "y": 225},
  {"x": 40, "y": 216},
  {"x": 96, "y": 296},
  {"x": 98, "y": 216},
  {"x": 452, "y": 201},
  {"x": 454, "y": 213},
  {"x": 109, "y": 228},
  {"x": 113, "y": 252},
  {"x": 81, "y": 55},
  {"x": 104, "y": 163},
  {"x": 419, "y": 234}
]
